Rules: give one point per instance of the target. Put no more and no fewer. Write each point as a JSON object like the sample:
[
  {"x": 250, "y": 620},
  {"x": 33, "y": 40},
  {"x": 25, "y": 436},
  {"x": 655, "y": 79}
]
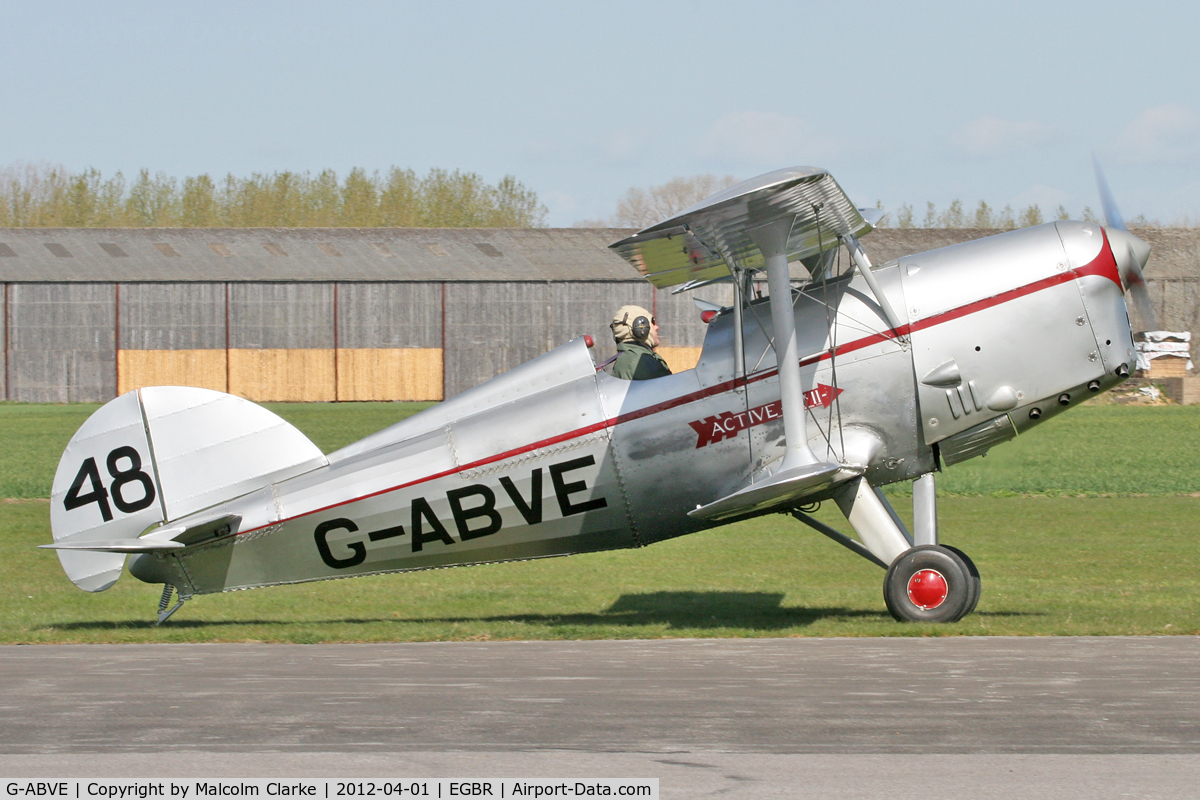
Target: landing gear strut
[
  {"x": 931, "y": 582},
  {"x": 926, "y": 581}
]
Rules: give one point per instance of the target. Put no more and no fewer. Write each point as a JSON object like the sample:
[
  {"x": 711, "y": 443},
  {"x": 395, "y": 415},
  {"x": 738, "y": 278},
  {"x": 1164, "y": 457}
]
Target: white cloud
[
  {"x": 988, "y": 137},
  {"x": 770, "y": 138},
  {"x": 1166, "y": 134}
]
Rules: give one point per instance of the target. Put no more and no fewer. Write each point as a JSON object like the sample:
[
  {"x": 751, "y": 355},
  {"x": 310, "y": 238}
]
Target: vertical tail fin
[
  {"x": 104, "y": 489},
  {"x": 153, "y": 456}
]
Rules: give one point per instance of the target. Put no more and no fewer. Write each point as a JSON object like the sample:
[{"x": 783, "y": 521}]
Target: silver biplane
[{"x": 829, "y": 388}]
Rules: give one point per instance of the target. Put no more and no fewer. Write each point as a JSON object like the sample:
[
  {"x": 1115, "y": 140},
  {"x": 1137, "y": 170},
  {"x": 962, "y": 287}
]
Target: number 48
[{"x": 121, "y": 478}]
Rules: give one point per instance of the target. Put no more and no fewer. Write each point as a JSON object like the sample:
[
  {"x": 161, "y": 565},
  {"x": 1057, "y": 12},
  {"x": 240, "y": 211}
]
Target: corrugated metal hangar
[
  {"x": 322, "y": 314},
  {"x": 308, "y": 314}
]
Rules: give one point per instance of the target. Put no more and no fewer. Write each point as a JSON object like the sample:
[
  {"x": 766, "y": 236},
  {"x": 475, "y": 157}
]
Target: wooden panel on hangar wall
[
  {"x": 680, "y": 359},
  {"x": 303, "y": 376},
  {"x": 139, "y": 368},
  {"x": 401, "y": 373}
]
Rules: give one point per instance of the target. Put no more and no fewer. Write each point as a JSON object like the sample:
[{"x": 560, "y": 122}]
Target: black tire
[
  {"x": 923, "y": 567},
  {"x": 976, "y": 581}
]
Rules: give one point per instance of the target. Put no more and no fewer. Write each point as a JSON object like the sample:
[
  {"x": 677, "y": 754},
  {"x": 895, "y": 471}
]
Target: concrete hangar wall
[
  {"x": 364, "y": 314},
  {"x": 309, "y": 314}
]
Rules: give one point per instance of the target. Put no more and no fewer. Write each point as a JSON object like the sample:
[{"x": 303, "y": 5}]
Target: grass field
[
  {"x": 1057, "y": 557},
  {"x": 1050, "y": 566},
  {"x": 1091, "y": 451}
]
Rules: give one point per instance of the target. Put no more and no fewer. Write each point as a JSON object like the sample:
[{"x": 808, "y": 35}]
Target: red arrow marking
[{"x": 729, "y": 424}]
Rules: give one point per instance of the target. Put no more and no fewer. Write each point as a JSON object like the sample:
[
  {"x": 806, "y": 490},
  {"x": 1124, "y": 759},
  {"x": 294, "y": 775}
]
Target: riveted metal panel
[
  {"x": 379, "y": 315},
  {"x": 280, "y": 316},
  {"x": 972, "y": 365},
  {"x": 172, "y": 316},
  {"x": 62, "y": 342}
]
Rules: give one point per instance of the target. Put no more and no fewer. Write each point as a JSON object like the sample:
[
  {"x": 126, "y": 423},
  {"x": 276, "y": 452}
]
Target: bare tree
[{"x": 642, "y": 207}]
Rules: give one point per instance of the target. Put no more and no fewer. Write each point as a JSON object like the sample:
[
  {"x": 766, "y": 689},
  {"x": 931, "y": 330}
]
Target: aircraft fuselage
[{"x": 555, "y": 458}]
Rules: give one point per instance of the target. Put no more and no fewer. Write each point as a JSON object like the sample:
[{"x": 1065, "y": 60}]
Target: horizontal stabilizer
[
  {"x": 781, "y": 490},
  {"x": 198, "y": 531},
  {"x": 160, "y": 540},
  {"x": 175, "y": 537},
  {"x": 119, "y": 546}
]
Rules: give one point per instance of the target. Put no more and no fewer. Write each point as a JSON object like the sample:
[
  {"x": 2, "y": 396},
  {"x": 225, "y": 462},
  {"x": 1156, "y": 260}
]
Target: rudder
[{"x": 155, "y": 455}]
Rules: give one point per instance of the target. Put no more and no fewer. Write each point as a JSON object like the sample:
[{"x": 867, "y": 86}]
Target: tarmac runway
[{"x": 757, "y": 718}]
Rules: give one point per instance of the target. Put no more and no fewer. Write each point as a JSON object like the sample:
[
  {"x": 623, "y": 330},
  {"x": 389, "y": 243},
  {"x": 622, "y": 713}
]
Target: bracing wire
[
  {"x": 831, "y": 326},
  {"x": 837, "y": 402},
  {"x": 739, "y": 296}
]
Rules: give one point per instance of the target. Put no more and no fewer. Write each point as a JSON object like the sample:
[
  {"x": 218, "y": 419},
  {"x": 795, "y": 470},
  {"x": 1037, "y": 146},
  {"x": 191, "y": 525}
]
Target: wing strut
[
  {"x": 772, "y": 241},
  {"x": 797, "y": 213},
  {"x": 864, "y": 267},
  {"x": 800, "y": 472},
  {"x": 739, "y": 345}
]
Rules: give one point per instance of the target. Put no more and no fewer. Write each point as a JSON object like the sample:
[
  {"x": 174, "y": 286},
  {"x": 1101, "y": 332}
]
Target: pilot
[{"x": 636, "y": 333}]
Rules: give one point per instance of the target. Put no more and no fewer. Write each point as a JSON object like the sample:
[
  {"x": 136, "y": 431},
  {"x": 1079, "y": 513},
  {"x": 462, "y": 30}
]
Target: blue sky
[{"x": 902, "y": 102}]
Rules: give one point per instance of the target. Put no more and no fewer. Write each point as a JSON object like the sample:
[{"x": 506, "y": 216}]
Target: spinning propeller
[{"x": 1130, "y": 252}]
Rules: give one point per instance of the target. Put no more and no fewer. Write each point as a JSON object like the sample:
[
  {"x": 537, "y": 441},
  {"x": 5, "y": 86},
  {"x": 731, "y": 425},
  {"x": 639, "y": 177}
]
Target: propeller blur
[{"x": 1131, "y": 252}]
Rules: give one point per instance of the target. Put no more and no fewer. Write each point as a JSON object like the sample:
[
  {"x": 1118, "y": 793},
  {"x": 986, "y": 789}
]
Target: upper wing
[{"x": 697, "y": 243}]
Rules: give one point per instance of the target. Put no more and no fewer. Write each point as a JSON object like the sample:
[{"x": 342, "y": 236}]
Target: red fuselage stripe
[{"x": 1103, "y": 265}]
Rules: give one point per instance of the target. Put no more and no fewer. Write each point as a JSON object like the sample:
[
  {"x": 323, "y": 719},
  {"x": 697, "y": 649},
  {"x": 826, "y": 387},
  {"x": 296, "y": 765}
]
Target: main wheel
[
  {"x": 928, "y": 583},
  {"x": 976, "y": 581}
]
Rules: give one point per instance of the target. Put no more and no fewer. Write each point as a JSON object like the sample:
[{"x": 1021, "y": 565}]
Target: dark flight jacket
[{"x": 637, "y": 362}]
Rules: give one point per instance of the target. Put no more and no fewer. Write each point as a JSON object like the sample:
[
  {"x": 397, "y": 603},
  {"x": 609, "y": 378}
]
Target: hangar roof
[
  {"x": 71, "y": 255},
  {"x": 311, "y": 254}
]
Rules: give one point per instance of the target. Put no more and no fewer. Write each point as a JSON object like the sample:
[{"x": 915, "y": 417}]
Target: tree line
[
  {"x": 639, "y": 208},
  {"x": 33, "y": 196},
  {"x": 983, "y": 216}
]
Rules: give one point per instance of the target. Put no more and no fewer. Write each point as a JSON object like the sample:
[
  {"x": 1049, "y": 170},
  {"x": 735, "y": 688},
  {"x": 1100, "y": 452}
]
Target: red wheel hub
[{"x": 927, "y": 589}]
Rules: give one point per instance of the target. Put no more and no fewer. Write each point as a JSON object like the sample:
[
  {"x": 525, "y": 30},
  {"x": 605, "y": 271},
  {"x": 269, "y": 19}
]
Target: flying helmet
[{"x": 633, "y": 324}]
